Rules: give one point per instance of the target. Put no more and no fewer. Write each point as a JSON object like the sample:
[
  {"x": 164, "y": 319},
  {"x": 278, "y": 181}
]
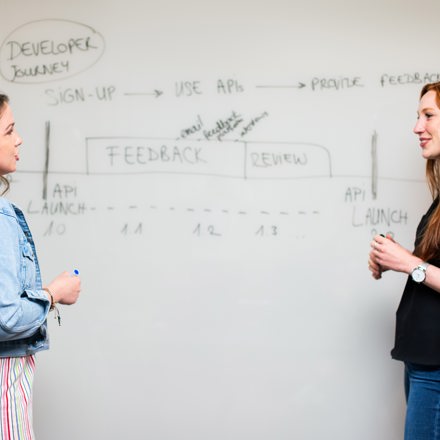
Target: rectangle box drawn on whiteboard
[{"x": 264, "y": 160}]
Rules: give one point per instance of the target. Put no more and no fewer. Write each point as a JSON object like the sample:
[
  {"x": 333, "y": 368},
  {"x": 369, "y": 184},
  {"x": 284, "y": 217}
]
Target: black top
[{"x": 418, "y": 317}]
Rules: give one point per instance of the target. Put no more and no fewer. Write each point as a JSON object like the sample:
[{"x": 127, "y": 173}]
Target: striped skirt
[{"x": 16, "y": 378}]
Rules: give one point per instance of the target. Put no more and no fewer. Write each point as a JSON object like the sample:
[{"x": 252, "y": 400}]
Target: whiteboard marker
[{"x": 75, "y": 273}]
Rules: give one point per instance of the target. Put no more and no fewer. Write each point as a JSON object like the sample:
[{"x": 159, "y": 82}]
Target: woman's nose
[
  {"x": 419, "y": 127},
  {"x": 18, "y": 141}
]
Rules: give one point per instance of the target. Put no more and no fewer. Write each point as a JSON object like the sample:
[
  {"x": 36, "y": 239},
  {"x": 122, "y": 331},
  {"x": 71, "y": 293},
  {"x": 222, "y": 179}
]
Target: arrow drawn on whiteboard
[
  {"x": 300, "y": 85},
  {"x": 156, "y": 93}
]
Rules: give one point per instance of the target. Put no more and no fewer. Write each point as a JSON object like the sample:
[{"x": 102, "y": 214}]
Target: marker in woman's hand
[
  {"x": 75, "y": 273},
  {"x": 389, "y": 237}
]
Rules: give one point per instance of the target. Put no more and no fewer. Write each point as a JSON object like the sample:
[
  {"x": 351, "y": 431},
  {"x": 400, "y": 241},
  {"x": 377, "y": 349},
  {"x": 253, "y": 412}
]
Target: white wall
[{"x": 226, "y": 294}]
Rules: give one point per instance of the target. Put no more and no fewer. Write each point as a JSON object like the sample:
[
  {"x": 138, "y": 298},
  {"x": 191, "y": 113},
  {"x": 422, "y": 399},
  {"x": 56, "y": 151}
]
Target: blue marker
[{"x": 75, "y": 273}]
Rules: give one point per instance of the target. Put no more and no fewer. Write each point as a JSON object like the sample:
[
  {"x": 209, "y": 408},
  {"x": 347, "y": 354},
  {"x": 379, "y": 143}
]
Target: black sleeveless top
[{"x": 417, "y": 338}]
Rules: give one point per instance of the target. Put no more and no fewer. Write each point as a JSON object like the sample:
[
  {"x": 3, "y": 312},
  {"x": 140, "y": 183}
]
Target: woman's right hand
[
  {"x": 65, "y": 288},
  {"x": 374, "y": 267}
]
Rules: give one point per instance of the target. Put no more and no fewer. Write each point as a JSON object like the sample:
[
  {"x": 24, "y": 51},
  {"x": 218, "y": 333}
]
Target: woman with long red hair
[{"x": 417, "y": 338}]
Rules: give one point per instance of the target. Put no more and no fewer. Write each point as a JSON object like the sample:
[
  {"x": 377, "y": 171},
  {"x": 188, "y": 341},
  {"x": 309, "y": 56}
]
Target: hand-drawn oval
[{"x": 48, "y": 50}]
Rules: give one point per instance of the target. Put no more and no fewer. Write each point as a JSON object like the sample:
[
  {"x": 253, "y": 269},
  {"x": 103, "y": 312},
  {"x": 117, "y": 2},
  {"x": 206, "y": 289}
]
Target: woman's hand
[
  {"x": 65, "y": 288},
  {"x": 386, "y": 254},
  {"x": 374, "y": 267}
]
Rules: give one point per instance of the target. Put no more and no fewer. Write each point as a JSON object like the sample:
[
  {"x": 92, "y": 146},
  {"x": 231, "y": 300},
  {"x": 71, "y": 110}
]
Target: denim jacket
[{"x": 23, "y": 304}]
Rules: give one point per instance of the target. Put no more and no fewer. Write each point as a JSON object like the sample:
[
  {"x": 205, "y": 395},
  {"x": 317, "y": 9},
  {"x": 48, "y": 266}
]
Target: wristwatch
[{"x": 419, "y": 273}]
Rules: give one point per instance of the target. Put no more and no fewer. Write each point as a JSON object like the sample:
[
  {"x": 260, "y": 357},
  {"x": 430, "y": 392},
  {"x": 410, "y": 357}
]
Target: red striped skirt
[{"x": 16, "y": 379}]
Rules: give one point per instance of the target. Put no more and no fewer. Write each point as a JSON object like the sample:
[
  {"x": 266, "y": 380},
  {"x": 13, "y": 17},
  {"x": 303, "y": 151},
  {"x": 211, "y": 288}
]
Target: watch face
[{"x": 418, "y": 275}]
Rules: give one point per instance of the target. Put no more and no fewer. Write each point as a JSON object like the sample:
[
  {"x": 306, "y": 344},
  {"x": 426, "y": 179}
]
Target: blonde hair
[
  {"x": 429, "y": 244},
  {"x": 3, "y": 181}
]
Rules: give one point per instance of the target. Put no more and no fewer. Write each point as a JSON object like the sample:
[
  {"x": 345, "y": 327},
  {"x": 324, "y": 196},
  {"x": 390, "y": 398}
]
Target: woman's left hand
[{"x": 389, "y": 255}]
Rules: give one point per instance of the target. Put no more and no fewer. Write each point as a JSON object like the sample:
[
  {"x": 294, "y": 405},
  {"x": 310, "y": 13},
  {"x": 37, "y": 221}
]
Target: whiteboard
[{"x": 216, "y": 172}]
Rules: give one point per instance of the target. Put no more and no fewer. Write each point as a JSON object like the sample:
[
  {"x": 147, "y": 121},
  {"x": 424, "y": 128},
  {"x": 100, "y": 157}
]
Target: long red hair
[{"x": 429, "y": 244}]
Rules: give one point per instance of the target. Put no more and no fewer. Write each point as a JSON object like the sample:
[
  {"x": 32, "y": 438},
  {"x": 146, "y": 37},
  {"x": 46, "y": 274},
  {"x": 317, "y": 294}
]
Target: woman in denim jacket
[{"x": 24, "y": 302}]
